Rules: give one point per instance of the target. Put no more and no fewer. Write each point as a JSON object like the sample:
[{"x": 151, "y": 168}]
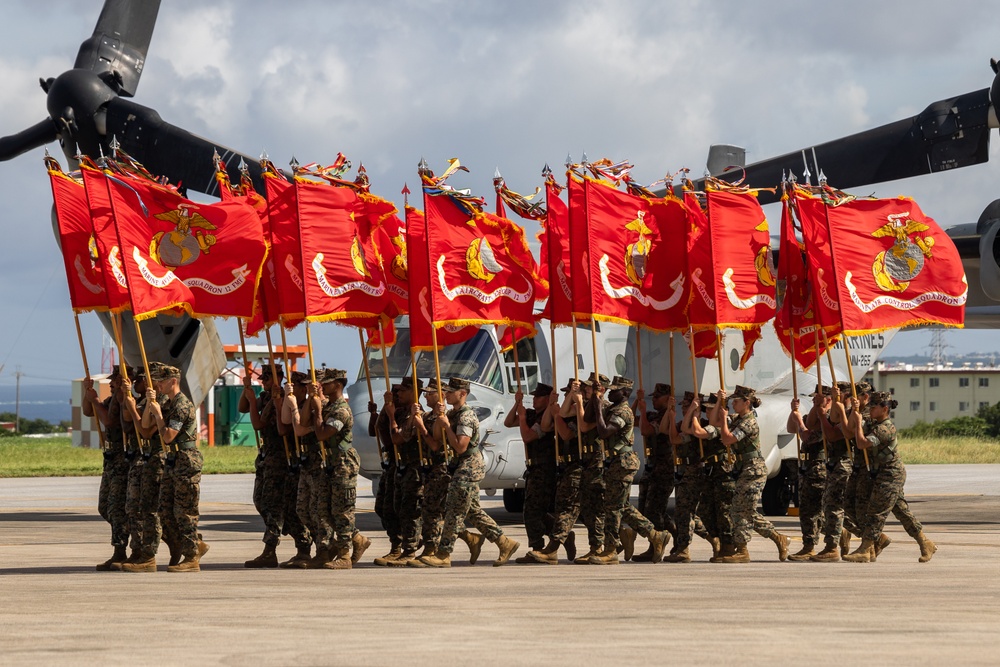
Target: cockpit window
[
  {"x": 527, "y": 363},
  {"x": 398, "y": 356}
]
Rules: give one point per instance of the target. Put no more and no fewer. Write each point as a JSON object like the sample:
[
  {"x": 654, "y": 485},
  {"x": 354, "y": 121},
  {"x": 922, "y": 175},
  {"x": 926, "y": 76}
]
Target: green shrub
[{"x": 967, "y": 427}]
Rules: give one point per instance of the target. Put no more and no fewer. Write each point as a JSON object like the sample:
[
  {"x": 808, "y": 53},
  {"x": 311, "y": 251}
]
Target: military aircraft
[{"x": 91, "y": 104}]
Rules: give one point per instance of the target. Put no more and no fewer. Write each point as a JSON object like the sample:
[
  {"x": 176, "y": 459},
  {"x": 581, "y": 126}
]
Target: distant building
[{"x": 936, "y": 391}]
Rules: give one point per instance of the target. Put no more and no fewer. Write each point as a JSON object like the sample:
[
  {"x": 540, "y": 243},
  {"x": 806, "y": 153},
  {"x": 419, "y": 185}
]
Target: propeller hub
[{"x": 76, "y": 100}]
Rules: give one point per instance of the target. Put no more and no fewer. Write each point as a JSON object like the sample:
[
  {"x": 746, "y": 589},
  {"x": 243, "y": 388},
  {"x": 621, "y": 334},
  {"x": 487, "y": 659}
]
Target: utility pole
[{"x": 17, "y": 400}]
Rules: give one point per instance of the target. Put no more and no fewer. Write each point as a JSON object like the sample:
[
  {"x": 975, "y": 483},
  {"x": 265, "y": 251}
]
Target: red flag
[
  {"x": 286, "y": 252},
  {"x": 893, "y": 266},
  {"x": 76, "y": 239},
  {"x": 106, "y": 238},
  {"x": 343, "y": 282},
  {"x": 389, "y": 244},
  {"x": 482, "y": 271},
  {"x": 556, "y": 258},
  {"x": 376, "y": 337},
  {"x": 579, "y": 269},
  {"x": 205, "y": 258},
  {"x": 419, "y": 273},
  {"x": 622, "y": 231}
]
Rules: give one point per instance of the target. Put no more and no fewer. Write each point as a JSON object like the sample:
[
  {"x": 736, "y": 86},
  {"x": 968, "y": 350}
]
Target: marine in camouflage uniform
[
  {"x": 385, "y": 508},
  {"x": 344, "y": 464},
  {"x": 690, "y": 485},
  {"x": 839, "y": 470},
  {"x": 812, "y": 471},
  {"x": 114, "y": 477},
  {"x": 616, "y": 425},
  {"x": 889, "y": 477},
  {"x": 715, "y": 506},
  {"x": 657, "y": 481},
  {"x": 408, "y": 488},
  {"x": 145, "y": 478},
  {"x": 742, "y": 434},
  {"x": 180, "y": 488},
  {"x": 569, "y": 475},
  {"x": 462, "y": 503},
  {"x": 313, "y": 499},
  {"x": 271, "y": 468},
  {"x": 592, "y": 477},
  {"x": 435, "y": 475},
  {"x": 537, "y": 428}
]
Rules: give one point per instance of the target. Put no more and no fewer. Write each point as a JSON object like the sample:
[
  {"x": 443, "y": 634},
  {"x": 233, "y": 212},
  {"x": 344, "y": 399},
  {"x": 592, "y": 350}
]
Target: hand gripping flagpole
[
  {"x": 795, "y": 393},
  {"x": 86, "y": 371},
  {"x": 288, "y": 372},
  {"x": 819, "y": 380},
  {"x": 437, "y": 374},
  {"x": 116, "y": 326},
  {"x": 597, "y": 374},
  {"x": 416, "y": 402},
  {"x": 833, "y": 374},
  {"x": 247, "y": 368},
  {"x": 722, "y": 384},
  {"x": 854, "y": 393},
  {"x": 555, "y": 383},
  {"x": 312, "y": 379},
  {"x": 694, "y": 380},
  {"x": 576, "y": 375},
  {"x": 275, "y": 383},
  {"x": 638, "y": 363},
  {"x": 517, "y": 377}
]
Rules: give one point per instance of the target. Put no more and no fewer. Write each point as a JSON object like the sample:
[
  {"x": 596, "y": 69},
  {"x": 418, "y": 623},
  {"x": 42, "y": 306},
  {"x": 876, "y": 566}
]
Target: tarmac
[{"x": 55, "y": 609}]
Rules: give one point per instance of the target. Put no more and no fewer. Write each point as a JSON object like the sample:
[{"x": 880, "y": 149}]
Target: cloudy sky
[{"x": 512, "y": 84}]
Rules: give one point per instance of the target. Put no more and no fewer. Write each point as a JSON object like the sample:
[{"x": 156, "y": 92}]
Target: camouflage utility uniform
[
  {"x": 181, "y": 486},
  {"x": 567, "y": 496},
  {"x": 619, "y": 470},
  {"x": 409, "y": 487},
  {"x": 592, "y": 486},
  {"x": 657, "y": 481},
  {"x": 436, "y": 479},
  {"x": 385, "y": 507},
  {"x": 540, "y": 483},
  {"x": 313, "y": 498},
  {"x": 462, "y": 503},
  {"x": 812, "y": 482},
  {"x": 839, "y": 471},
  {"x": 145, "y": 480},
  {"x": 690, "y": 483},
  {"x": 890, "y": 476},
  {"x": 344, "y": 464},
  {"x": 719, "y": 489},
  {"x": 752, "y": 476},
  {"x": 271, "y": 478},
  {"x": 114, "y": 478}
]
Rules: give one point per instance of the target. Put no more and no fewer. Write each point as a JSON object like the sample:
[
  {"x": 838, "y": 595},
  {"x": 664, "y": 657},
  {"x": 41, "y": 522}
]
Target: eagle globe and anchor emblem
[
  {"x": 183, "y": 245},
  {"x": 895, "y": 268}
]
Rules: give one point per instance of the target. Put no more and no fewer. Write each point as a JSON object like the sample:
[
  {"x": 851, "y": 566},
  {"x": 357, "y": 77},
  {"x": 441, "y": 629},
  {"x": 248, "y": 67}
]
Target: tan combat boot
[
  {"x": 507, "y": 548},
  {"x": 725, "y": 551},
  {"x": 927, "y": 548},
  {"x": 803, "y": 554},
  {"x": 141, "y": 565},
  {"x": 739, "y": 555},
  {"x": 549, "y": 555},
  {"x": 359, "y": 545},
  {"x": 570, "y": 546},
  {"x": 440, "y": 559},
  {"x": 880, "y": 544},
  {"x": 645, "y": 557},
  {"x": 301, "y": 555},
  {"x": 609, "y": 556},
  {"x": 627, "y": 537},
  {"x": 341, "y": 562},
  {"x": 716, "y": 546},
  {"x": 864, "y": 553},
  {"x": 845, "y": 542},
  {"x": 322, "y": 557},
  {"x": 118, "y": 557},
  {"x": 267, "y": 558},
  {"x": 681, "y": 556},
  {"x": 132, "y": 558},
  {"x": 395, "y": 552},
  {"x": 475, "y": 543},
  {"x": 175, "y": 554},
  {"x": 658, "y": 540},
  {"x": 403, "y": 560},
  {"x": 585, "y": 558},
  {"x": 782, "y": 542},
  {"x": 830, "y": 554},
  {"x": 189, "y": 564},
  {"x": 202, "y": 548}
]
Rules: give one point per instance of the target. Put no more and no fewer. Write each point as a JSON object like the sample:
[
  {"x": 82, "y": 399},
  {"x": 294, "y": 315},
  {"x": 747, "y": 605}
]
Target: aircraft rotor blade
[
  {"x": 39, "y": 134},
  {"x": 117, "y": 49},
  {"x": 167, "y": 150},
  {"x": 948, "y": 134}
]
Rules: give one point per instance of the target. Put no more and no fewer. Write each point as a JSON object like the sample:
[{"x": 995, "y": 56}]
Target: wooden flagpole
[
  {"x": 312, "y": 378},
  {"x": 247, "y": 367},
  {"x": 795, "y": 394},
  {"x": 576, "y": 375},
  {"x": 86, "y": 371},
  {"x": 116, "y": 326},
  {"x": 276, "y": 383},
  {"x": 555, "y": 382},
  {"x": 819, "y": 382},
  {"x": 694, "y": 380},
  {"x": 437, "y": 374},
  {"x": 638, "y": 363},
  {"x": 288, "y": 371},
  {"x": 722, "y": 383},
  {"x": 517, "y": 378},
  {"x": 854, "y": 393},
  {"x": 416, "y": 401}
]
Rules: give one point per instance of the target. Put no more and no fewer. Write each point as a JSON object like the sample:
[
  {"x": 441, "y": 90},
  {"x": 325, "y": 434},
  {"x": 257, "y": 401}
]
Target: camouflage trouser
[
  {"x": 618, "y": 474},
  {"x": 343, "y": 497},
  {"x": 293, "y": 526},
  {"x": 690, "y": 485},
  {"x": 149, "y": 530},
  {"x": 313, "y": 501},
  {"x": 887, "y": 488},
  {"x": 539, "y": 501},
  {"x": 462, "y": 504},
  {"x": 592, "y": 503},
  {"x": 838, "y": 476},
  {"x": 436, "y": 482},
  {"x": 384, "y": 507},
  {"x": 858, "y": 486},
  {"x": 718, "y": 502},
  {"x": 269, "y": 494},
  {"x": 567, "y": 501},
  {"x": 812, "y": 481},
  {"x": 407, "y": 491},
  {"x": 179, "y": 494},
  {"x": 655, "y": 488},
  {"x": 746, "y": 498},
  {"x": 901, "y": 510},
  {"x": 112, "y": 496}
]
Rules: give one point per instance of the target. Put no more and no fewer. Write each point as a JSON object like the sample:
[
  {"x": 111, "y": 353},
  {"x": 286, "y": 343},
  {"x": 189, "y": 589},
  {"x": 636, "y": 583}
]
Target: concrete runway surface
[{"x": 55, "y": 609}]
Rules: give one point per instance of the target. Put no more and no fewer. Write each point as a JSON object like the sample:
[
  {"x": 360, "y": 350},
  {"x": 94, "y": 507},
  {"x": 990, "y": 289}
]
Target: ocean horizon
[{"x": 48, "y": 402}]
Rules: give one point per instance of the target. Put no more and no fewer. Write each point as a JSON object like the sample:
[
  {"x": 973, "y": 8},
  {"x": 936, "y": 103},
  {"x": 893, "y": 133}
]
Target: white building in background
[{"x": 936, "y": 391}]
